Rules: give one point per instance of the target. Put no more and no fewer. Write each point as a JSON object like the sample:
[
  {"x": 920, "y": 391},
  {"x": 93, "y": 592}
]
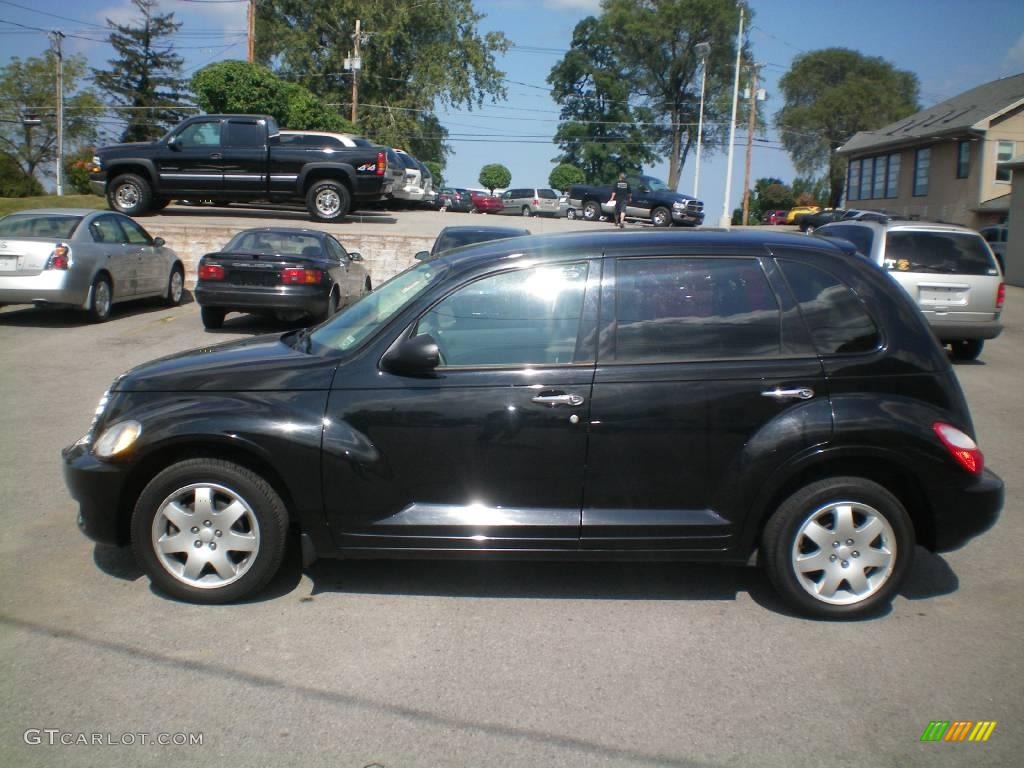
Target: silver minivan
[
  {"x": 949, "y": 270},
  {"x": 530, "y": 201}
]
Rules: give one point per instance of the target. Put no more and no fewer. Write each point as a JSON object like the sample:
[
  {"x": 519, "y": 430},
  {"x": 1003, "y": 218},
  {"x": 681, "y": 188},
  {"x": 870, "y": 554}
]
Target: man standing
[{"x": 620, "y": 196}]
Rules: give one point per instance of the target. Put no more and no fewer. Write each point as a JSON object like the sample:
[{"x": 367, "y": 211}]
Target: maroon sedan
[{"x": 486, "y": 203}]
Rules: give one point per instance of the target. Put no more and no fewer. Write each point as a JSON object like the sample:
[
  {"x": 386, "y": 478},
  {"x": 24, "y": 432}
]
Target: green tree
[
  {"x": 27, "y": 86},
  {"x": 831, "y": 94},
  {"x": 239, "y": 87},
  {"x": 495, "y": 175},
  {"x": 650, "y": 48},
  {"x": 416, "y": 57},
  {"x": 435, "y": 171},
  {"x": 14, "y": 182},
  {"x": 145, "y": 76},
  {"x": 768, "y": 194},
  {"x": 564, "y": 176}
]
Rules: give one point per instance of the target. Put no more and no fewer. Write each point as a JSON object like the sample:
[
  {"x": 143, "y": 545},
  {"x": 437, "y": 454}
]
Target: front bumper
[
  {"x": 98, "y": 487},
  {"x": 961, "y": 513},
  {"x": 98, "y": 187},
  {"x": 312, "y": 299},
  {"x": 688, "y": 218}
]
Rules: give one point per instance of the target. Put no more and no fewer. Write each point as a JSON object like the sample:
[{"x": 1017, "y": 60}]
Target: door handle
[
  {"x": 801, "y": 393},
  {"x": 558, "y": 399},
  {"x": 216, "y": 156}
]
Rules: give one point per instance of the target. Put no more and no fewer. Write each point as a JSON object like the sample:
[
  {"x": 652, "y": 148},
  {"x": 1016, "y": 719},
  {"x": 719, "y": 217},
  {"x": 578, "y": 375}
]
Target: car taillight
[
  {"x": 211, "y": 272},
  {"x": 295, "y": 276},
  {"x": 536, "y": 201},
  {"x": 961, "y": 447},
  {"x": 60, "y": 258},
  {"x": 1001, "y": 296},
  {"x": 382, "y": 163}
]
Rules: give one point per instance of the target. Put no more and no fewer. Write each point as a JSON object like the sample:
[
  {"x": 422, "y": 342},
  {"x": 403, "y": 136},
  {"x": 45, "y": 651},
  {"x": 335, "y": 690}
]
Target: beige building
[
  {"x": 942, "y": 164},
  {"x": 1014, "y": 258}
]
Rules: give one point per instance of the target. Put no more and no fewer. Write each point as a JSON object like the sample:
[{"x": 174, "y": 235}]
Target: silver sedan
[{"x": 86, "y": 259}]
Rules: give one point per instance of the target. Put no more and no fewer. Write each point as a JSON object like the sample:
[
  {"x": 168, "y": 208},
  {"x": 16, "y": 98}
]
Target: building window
[
  {"x": 865, "y": 177},
  {"x": 878, "y": 190},
  {"x": 853, "y": 192},
  {"x": 1005, "y": 152},
  {"x": 922, "y": 159},
  {"x": 892, "y": 177},
  {"x": 963, "y": 159}
]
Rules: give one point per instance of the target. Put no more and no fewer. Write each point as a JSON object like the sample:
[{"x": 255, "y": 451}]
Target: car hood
[{"x": 264, "y": 363}]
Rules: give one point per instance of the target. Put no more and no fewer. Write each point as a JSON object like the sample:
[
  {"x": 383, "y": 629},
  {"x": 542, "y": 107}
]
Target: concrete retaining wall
[{"x": 383, "y": 255}]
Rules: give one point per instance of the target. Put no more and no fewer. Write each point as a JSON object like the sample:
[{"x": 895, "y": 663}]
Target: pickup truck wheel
[
  {"x": 661, "y": 217},
  {"x": 130, "y": 194},
  {"x": 159, "y": 205},
  {"x": 327, "y": 201},
  {"x": 591, "y": 210}
]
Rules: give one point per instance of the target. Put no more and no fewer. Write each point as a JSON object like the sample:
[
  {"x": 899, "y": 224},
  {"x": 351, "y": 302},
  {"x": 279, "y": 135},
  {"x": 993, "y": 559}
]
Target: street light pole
[
  {"x": 702, "y": 50},
  {"x": 726, "y": 218}
]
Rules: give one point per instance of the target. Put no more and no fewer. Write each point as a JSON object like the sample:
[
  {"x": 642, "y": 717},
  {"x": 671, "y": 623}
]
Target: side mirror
[
  {"x": 172, "y": 143},
  {"x": 159, "y": 242},
  {"x": 356, "y": 256},
  {"x": 414, "y": 356},
  {"x": 422, "y": 256}
]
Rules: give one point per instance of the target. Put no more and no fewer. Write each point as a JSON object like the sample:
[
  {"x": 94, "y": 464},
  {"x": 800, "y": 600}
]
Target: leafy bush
[{"x": 564, "y": 176}]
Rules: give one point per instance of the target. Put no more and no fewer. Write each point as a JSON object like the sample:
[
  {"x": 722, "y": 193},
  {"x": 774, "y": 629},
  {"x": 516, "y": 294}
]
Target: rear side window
[
  {"x": 547, "y": 194},
  {"x": 245, "y": 134},
  {"x": 960, "y": 253},
  {"x": 680, "y": 309},
  {"x": 837, "y": 319},
  {"x": 861, "y": 237}
]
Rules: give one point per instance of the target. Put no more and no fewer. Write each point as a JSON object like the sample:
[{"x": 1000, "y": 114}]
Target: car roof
[
  {"x": 62, "y": 211},
  {"x": 904, "y": 225},
  {"x": 282, "y": 231},
  {"x": 586, "y": 245}
]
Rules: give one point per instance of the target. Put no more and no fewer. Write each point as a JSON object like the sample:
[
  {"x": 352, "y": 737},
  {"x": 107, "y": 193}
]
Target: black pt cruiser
[{"x": 647, "y": 395}]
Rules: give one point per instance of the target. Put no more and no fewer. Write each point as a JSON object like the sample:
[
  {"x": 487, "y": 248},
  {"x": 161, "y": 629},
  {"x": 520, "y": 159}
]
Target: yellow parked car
[{"x": 800, "y": 210}]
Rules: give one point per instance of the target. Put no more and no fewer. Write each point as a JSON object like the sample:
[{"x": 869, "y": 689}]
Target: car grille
[{"x": 694, "y": 206}]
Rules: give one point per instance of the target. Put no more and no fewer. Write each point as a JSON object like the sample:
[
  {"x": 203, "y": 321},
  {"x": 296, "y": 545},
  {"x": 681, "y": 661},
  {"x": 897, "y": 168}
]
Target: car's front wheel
[
  {"x": 175, "y": 287},
  {"x": 209, "y": 531},
  {"x": 661, "y": 217},
  {"x": 838, "y": 548},
  {"x": 130, "y": 194}
]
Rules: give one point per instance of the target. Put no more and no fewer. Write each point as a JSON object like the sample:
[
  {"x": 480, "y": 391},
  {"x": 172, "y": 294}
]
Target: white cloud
[
  {"x": 1014, "y": 61},
  {"x": 573, "y": 5}
]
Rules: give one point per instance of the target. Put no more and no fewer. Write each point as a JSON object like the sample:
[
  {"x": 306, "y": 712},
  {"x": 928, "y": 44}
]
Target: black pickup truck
[
  {"x": 238, "y": 158},
  {"x": 650, "y": 200}
]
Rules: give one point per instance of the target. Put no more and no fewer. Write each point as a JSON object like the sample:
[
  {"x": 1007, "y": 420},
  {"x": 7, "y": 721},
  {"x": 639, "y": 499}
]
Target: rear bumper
[
  {"x": 98, "y": 488},
  {"x": 51, "y": 286},
  {"x": 962, "y": 513},
  {"x": 948, "y": 328},
  {"x": 311, "y": 299}
]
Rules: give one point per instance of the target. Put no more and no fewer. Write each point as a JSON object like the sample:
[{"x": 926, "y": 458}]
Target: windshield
[
  {"x": 945, "y": 252},
  {"x": 39, "y": 225},
  {"x": 349, "y": 328}
]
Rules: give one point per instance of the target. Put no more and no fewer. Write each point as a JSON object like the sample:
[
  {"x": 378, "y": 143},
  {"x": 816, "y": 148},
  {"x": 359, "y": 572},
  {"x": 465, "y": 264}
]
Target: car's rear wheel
[
  {"x": 967, "y": 349},
  {"x": 526, "y": 211},
  {"x": 838, "y": 548},
  {"x": 213, "y": 317},
  {"x": 102, "y": 300},
  {"x": 661, "y": 217},
  {"x": 571, "y": 213},
  {"x": 328, "y": 201},
  {"x": 175, "y": 287},
  {"x": 591, "y": 211},
  {"x": 130, "y": 194},
  {"x": 333, "y": 304},
  {"x": 209, "y": 531}
]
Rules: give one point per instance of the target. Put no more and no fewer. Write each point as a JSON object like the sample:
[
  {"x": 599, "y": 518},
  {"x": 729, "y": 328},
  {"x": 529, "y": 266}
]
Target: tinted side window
[
  {"x": 245, "y": 134},
  {"x": 837, "y": 319},
  {"x": 527, "y": 317},
  {"x": 679, "y": 309},
  {"x": 862, "y": 237}
]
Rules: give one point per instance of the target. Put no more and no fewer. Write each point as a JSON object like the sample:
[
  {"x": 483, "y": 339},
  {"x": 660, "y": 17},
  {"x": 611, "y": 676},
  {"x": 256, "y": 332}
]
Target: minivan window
[
  {"x": 837, "y": 319},
  {"x": 547, "y": 194},
  {"x": 943, "y": 252},
  {"x": 678, "y": 309},
  {"x": 861, "y": 237},
  {"x": 525, "y": 317}
]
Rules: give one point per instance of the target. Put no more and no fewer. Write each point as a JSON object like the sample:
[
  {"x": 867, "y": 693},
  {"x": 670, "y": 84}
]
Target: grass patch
[{"x": 12, "y": 204}]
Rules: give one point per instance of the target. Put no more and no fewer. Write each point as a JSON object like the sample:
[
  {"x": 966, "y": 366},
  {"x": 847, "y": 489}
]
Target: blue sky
[{"x": 952, "y": 45}]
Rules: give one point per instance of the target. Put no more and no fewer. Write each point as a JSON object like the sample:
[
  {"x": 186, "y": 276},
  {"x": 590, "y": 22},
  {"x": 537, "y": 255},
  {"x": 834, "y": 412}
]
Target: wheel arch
[
  {"x": 140, "y": 167},
  {"x": 311, "y": 174}
]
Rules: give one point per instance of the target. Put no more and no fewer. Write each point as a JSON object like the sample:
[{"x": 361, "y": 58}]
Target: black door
[
  {"x": 191, "y": 166},
  {"x": 244, "y": 162},
  {"x": 489, "y": 453},
  {"x": 697, "y": 357}
]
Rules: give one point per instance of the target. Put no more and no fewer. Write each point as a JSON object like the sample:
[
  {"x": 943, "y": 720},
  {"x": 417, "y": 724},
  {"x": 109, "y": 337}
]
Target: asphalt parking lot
[{"x": 462, "y": 664}]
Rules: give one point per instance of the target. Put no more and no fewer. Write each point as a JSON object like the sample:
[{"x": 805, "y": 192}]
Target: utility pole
[
  {"x": 726, "y": 218},
  {"x": 58, "y": 38},
  {"x": 356, "y": 65},
  {"x": 751, "y": 124},
  {"x": 252, "y": 31},
  {"x": 703, "y": 50}
]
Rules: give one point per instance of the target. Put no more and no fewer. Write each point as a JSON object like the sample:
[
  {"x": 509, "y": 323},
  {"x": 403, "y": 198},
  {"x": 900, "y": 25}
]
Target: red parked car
[
  {"x": 774, "y": 217},
  {"x": 483, "y": 203}
]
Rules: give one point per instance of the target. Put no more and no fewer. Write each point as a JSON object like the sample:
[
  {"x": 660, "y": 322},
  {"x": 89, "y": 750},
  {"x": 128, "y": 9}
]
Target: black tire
[
  {"x": 159, "y": 204},
  {"x": 102, "y": 300},
  {"x": 782, "y": 541},
  {"x": 526, "y": 211},
  {"x": 367, "y": 287},
  {"x": 591, "y": 210},
  {"x": 328, "y": 201},
  {"x": 175, "y": 286},
  {"x": 213, "y": 317},
  {"x": 263, "y": 525},
  {"x": 130, "y": 194},
  {"x": 809, "y": 229},
  {"x": 571, "y": 213},
  {"x": 661, "y": 217},
  {"x": 967, "y": 349},
  {"x": 333, "y": 305}
]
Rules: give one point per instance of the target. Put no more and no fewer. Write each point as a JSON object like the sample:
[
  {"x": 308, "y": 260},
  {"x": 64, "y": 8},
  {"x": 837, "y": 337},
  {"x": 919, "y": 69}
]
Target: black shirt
[{"x": 622, "y": 192}]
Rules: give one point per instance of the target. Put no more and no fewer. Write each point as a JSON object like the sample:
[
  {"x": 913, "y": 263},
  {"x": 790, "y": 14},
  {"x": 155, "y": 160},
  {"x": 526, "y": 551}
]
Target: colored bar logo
[{"x": 958, "y": 730}]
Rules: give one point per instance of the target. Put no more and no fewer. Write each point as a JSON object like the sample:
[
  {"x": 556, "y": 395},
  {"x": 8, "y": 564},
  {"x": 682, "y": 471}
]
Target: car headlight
[
  {"x": 118, "y": 438},
  {"x": 678, "y": 205},
  {"x": 97, "y": 163}
]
